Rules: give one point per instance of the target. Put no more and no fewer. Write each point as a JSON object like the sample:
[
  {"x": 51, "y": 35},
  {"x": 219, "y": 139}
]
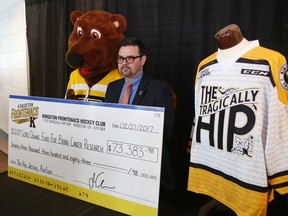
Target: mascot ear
[
  {"x": 119, "y": 22},
  {"x": 74, "y": 16}
]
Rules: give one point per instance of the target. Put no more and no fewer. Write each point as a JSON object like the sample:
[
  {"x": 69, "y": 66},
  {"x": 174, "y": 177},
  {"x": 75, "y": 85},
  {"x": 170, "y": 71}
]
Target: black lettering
[
  {"x": 32, "y": 124},
  {"x": 205, "y": 126},
  {"x": 214, "y": 93},
  {"x": 254, "y": 93},
  {"x": 232, "y": 129},
  {"x": 240, "y": 97},
  {"x": 203, "y": 95},
  {"x": 233, "y": 99},
  {"x": 220, "y": 129}
]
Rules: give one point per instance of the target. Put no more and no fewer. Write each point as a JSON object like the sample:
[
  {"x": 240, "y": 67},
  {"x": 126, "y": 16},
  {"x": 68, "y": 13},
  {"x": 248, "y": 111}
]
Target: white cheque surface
[{"x": 107, "y": 154}]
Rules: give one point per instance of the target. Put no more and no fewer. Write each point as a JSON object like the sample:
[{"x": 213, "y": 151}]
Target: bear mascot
[{"x": 92, "y": 49}]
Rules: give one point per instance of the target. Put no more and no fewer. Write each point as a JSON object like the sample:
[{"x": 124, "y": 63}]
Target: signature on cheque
[{"x": 98, "y": 181}]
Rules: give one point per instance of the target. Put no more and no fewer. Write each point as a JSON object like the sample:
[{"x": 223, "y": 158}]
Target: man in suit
[{"x": 144, "y": 91}]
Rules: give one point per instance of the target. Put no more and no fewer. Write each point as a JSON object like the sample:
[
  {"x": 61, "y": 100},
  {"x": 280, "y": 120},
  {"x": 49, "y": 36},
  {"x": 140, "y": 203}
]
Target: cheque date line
[{"x": 134, "y": 127}]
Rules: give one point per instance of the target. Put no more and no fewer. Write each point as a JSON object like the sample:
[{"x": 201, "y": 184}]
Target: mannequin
[
  {"x": 231, "y": 43},
  {"x": 228, "y": 37}
]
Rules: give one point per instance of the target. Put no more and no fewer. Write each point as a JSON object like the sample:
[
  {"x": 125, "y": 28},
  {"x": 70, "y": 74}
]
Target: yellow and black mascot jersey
[{"x": 97, "y": 92}]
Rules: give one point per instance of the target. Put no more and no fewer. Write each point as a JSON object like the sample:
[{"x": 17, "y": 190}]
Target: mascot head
[{"x": 94, "y": 42}]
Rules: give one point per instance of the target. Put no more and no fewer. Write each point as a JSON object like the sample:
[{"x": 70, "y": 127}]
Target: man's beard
[{"x": 126, "y": 71}]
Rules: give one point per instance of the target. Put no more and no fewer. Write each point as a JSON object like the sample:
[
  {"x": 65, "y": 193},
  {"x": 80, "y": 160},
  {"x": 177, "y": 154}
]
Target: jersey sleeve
[
  {"x": 277, "y": 142},
  {"x": 279, "y": 70}
]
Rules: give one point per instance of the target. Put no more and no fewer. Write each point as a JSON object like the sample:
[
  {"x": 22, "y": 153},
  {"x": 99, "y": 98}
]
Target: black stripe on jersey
[
  {"x": 230, "y": 178},
  {"x": 208, "y": 64},
  {"x": 259, "y": 62},
  {"x": 250, "y": 61},
  {"x": 281, "y": 185},
  {"x": 279, "y": 174},
  {"x": 90, "y": 98}
]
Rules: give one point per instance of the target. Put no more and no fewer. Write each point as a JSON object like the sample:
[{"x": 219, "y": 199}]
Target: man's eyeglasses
[{"x": 129, "y": 59}]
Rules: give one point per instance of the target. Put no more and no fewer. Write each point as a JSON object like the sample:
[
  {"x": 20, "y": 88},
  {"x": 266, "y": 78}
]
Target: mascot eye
[
  {"x": 95, "y": 34},
  {"x": 79, "y": 32}
]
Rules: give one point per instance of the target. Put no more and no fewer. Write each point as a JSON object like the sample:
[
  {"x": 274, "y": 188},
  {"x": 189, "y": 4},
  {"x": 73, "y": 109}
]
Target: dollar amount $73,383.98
[{"x": 132, "y": 150}]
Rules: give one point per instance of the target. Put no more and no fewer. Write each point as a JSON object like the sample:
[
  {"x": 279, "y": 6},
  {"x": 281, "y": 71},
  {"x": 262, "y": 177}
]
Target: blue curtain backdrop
[{"x": 177, "y": 34}]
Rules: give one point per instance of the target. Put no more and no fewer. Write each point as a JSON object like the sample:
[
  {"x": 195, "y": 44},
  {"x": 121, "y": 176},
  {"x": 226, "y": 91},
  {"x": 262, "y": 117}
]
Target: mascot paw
[{"x": 70, "y": 95}]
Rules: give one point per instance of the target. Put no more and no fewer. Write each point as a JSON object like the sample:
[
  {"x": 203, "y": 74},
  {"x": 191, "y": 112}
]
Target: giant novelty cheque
[{"x": 106, "y": 154}]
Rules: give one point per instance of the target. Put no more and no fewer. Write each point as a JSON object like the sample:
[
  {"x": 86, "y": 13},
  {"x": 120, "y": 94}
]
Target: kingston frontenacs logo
[{"x": 25, "y": 113}]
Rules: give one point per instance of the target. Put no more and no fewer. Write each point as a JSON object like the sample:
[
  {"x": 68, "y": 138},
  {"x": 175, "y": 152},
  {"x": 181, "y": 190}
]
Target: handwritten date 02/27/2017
[{"x": 134, "y": 127}]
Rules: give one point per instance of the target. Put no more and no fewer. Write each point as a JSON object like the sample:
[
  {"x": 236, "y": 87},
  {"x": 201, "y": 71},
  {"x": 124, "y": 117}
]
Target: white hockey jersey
[{"x": 239, "y": 152}]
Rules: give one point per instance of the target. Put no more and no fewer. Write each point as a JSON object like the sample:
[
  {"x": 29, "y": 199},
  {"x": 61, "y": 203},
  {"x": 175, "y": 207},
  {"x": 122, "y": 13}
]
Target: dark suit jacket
[{"x": 150, "y": 92}]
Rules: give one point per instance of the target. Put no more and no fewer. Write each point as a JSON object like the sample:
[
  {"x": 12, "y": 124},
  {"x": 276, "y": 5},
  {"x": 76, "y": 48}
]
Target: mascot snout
[{"x": 74, "y": 60}]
